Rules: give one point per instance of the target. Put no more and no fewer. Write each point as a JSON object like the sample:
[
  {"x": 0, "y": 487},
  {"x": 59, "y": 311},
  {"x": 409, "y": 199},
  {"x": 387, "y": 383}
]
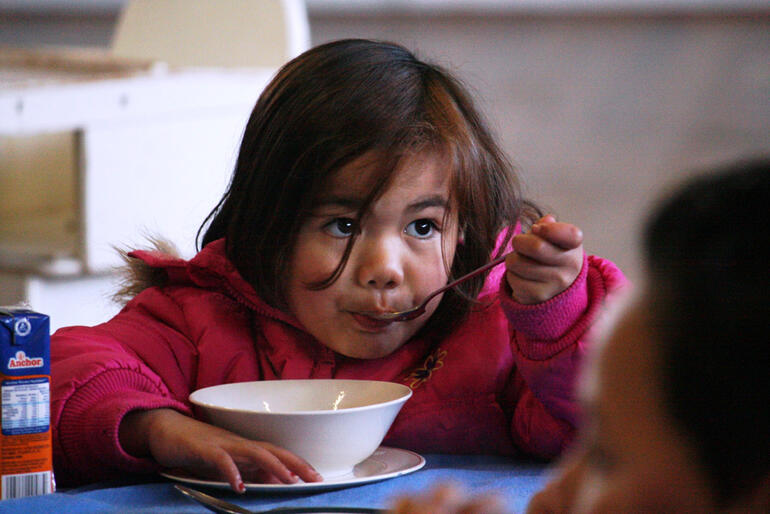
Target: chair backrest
[{"x": 223, "y": 33}]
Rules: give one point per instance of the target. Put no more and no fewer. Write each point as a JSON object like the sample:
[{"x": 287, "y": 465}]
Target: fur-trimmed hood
[
  {"x": 209, "y": 269},
  {"x": 136, "y": 275}
]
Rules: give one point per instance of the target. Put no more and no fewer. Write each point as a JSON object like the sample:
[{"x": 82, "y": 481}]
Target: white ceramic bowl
[{"x": 332, "y": 424}]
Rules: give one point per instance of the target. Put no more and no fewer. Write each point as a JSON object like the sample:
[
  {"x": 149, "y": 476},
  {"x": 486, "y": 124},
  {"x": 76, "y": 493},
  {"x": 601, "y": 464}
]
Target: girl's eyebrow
[
  {"x": 348, "y": 202},
  {"x": 355, "y": 203},
  {"x": 428, "y": 202}
]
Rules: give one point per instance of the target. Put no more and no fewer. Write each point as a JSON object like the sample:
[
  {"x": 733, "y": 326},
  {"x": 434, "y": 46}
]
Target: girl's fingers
[
  {"x": 264, "y": 460},
  {"x": 564, "y": 235},
  {"x": 227, "y": 468},
  {"x": 539, "y": 250},
  {"x": 526, "y": 268},
  {"x": 534, "y": 282},
  {"x": 203, "y": 449},
  {"x": 532, "y": 275},
  {"x": 259, "y": 457},
  {"x": 295, "y": 464}
]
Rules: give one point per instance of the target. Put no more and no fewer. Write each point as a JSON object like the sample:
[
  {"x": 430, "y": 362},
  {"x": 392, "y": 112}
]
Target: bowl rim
[{"x": 407, "y": 390}]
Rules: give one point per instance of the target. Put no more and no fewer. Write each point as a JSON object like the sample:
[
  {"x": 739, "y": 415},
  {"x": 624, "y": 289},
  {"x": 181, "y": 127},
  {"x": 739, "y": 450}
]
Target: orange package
[{"x": 26, "y": 463}]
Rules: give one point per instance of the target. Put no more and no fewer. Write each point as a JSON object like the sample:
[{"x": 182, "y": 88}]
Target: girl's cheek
[
  {"x": 315, "y": 261},
  {"x": 431, "y": 269}
]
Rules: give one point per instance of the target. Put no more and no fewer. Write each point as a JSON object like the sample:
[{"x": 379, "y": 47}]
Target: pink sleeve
[
  {"x": 549, "y": 341},
  {"x": 96, "y": 380}
]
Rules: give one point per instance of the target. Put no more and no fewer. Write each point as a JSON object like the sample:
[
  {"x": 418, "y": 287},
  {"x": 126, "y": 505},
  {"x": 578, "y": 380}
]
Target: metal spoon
[
  {"x": 419, "y": 310},
  {"x": 224, "y": 507}
]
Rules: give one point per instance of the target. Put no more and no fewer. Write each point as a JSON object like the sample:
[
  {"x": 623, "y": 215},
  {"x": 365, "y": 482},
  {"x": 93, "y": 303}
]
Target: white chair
[{"x": 228, "y": 33}]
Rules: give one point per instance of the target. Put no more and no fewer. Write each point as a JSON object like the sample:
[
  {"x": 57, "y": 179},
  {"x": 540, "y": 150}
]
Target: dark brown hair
[
  {"x": 707, "y": 248},
  {"x": 331, "y": 105}
]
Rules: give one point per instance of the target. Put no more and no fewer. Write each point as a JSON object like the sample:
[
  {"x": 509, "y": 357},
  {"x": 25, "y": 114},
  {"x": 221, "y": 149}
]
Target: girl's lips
[{"x": 370, "y": 323}]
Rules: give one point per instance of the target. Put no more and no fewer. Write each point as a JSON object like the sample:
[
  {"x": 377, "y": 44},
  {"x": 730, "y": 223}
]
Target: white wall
[
  {"x": 601, "y": 103},
  {"x": 600, "y": 112}
]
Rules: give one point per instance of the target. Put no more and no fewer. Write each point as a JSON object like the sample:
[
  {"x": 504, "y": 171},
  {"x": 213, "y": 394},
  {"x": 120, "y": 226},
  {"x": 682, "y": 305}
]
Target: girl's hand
[
  {"x": 446, "y": 499},
  {"x": 178, "y": 441},
  {"x": 546, "y": 260}
]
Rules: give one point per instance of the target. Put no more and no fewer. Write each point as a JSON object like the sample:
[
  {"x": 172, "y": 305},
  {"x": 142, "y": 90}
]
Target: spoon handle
[
  {"x": 211, "y": 503},
  {"x": 304, "y": 510},
  {"x": 462, "y": 279},
  {"x": 224, "y": 507}
]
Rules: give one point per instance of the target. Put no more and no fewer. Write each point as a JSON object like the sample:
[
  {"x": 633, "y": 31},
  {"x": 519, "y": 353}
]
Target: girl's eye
[
  {"x": 422, "y": 228},
  {"x": 341, "y": 227}
]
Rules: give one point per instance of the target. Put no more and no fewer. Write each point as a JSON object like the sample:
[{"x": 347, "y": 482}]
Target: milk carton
[{"x": 26, "y": 464}]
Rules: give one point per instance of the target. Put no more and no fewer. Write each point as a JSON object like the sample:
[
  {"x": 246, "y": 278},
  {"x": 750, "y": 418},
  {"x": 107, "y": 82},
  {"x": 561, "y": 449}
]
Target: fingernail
[
  {"x": 241, "y": 486},
  {"x": 536, "y": 228}
]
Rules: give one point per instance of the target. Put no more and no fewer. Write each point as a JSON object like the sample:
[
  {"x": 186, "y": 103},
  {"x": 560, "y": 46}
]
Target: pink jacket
[{"x": 500, "y": 381}]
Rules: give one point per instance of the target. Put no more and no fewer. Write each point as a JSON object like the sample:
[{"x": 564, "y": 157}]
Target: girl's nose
[{"x": 379, "y": 266}]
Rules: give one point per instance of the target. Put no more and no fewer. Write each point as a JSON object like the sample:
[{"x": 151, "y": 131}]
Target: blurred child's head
[
  {"x": 677, "y": 410},
  {"x": 709, "y": 249},
  {"x": 351, "y": 119}
]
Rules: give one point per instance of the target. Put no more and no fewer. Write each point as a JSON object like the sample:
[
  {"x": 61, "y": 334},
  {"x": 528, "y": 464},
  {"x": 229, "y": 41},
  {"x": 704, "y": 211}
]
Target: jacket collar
[{"x": 211, "y": 269}]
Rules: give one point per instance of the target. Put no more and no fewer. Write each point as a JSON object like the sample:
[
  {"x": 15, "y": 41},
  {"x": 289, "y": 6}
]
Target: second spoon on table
[{"x": 225, "y": 507}]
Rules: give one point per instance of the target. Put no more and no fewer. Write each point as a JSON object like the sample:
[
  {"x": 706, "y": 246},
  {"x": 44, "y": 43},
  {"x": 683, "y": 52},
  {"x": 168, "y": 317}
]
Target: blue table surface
[{"x": 513, "y": 480}]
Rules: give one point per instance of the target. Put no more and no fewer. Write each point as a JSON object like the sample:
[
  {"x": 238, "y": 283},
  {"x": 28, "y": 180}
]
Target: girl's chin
[
  {"x": 362, "y": 349},
  {"x": 367, "y": 354}
]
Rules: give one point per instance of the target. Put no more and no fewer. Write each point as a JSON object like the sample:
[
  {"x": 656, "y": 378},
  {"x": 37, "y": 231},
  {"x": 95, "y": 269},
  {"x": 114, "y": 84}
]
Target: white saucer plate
[{"x": 384, "y": 463}]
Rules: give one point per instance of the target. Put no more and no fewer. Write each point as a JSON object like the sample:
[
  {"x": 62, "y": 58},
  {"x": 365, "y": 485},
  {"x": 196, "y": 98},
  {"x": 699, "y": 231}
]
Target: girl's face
[
  {"x": 630, "y": 457},
  {"x": 396, "y": 260}
]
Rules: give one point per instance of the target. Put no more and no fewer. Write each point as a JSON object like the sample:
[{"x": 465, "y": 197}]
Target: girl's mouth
[{"x": 370, "y": 323}]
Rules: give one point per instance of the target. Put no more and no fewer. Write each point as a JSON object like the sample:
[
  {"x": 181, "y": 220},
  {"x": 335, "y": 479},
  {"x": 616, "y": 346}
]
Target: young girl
[
  {"x": 365, "y": 180},
  {"x": 676, "y": 416}
]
